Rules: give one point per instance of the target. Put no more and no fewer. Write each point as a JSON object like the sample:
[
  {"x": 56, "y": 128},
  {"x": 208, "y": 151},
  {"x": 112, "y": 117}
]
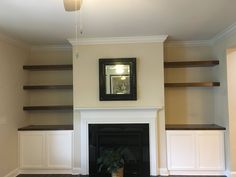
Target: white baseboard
[
  {"x": 13, "y": 173},
  {"x": 227, "y": 173},
  {"x": 163, "y": 172},
  {"x": 232, "y": 174},
  {"x": 40, "y": 171},
  {"x": 75, "y": 171},
  {"x": 196, "y": 172}
]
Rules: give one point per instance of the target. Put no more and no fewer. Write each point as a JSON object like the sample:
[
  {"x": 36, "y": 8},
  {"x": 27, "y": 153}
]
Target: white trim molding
[
  {"x": 119, "y": 116},
  {"x": 194, "y": 43},
  {"x": 232, "y": 174},
  {"x": 65, "y": 47},
  {"x": 13, "y": 173},
  {"x": 118, "y": 40},
  {"x": 13, "y": 41},
  {"x": 164, "y": 172},
  {"x": 196, "y": 172},
  {"x": 76, "y": 171},
  {"x": 39, "y": 171},
  {"x": 228, "y": 31}
]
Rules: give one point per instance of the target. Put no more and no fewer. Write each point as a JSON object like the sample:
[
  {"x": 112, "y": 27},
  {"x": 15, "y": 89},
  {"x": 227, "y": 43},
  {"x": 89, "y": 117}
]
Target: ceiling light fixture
[{"x": 72, "y": 5}]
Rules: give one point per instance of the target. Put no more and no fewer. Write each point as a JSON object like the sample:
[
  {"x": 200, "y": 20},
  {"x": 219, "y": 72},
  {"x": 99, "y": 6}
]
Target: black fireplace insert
[{"x": 133, "y": 137}]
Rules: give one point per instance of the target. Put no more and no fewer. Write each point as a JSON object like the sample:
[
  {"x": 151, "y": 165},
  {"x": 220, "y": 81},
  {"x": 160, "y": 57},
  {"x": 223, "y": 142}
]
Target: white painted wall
[{"x": 13, "y": 56}]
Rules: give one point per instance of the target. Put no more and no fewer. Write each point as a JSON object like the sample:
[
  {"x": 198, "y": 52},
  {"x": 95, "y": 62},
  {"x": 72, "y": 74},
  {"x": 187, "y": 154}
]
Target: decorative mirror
[{"x": 117, "y": 79}]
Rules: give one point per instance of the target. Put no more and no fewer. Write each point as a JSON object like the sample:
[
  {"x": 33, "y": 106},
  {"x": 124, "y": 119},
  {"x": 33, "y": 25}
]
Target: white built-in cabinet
[
  {"x": 45, "y": 149},
  {"x": 195, "y": 152}
]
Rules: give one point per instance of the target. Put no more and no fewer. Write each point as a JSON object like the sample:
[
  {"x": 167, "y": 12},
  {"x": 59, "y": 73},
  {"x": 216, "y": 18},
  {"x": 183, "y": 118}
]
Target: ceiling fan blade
[{"x": 72, "y": 5}]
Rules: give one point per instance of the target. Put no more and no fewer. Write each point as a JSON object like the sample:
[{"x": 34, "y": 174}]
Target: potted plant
[{"x": 112, "y": 160}]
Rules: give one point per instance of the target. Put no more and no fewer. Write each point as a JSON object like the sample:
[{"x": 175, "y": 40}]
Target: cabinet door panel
[
  {"x": 210, "y": 150},
  {"x": 59, "y": 150},
  {"x": 32, "y": 150},
  {"x": 181, "y": 150}
]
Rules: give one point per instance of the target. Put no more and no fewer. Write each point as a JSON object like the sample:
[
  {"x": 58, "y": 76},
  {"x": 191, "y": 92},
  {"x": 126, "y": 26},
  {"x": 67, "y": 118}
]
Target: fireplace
[
  {"x": 134, "y": 138},
  {"x": 103, "y": 116}
]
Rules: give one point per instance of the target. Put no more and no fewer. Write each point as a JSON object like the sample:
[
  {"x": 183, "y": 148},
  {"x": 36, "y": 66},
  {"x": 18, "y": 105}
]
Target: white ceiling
[{"x": 45, "y": 22}]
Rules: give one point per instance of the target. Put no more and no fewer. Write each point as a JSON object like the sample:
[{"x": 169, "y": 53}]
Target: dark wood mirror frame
[{"x": 131, "y": 62}]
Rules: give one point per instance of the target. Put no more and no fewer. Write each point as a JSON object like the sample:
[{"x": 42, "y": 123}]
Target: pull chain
[
  {"x": 81, "y": 18},
  {"x": 77, "y": 27}
]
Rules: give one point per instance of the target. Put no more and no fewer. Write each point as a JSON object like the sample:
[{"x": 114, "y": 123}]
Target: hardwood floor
[
  {"x": 47, "y": 175},
  {"x": 67, "y": 175}
]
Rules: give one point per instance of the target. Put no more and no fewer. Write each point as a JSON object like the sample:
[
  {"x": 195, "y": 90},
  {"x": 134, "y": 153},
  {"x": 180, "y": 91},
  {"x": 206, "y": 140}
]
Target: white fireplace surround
[{"x": 126, "y": 115}]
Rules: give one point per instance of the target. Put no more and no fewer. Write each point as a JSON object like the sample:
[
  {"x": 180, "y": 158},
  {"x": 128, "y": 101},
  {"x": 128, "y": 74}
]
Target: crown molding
[
  {"x": 228, "y": 31},
  {"x": 194, "y": 43},
  {"x": 63, "y": 47},
  {"x": 118, "y": 40},
  {"x": 15, "y": 42}
]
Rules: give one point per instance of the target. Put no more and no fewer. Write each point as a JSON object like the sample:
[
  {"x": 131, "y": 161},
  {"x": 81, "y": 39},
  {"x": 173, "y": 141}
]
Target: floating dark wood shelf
[
  {"x": 194, "y": 127},
  {"x": 45, "y": 87},
  {"x": 47, "y": 67},
  {"x": 45, "y": 127},
  {"x": 184, "y": 64},
  {"x": 193, "y": 84},
  {"x": 45, "y": 108}
]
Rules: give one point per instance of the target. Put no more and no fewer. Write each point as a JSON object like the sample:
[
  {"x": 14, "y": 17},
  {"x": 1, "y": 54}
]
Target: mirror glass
[{"x": 117, "y": 79}]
